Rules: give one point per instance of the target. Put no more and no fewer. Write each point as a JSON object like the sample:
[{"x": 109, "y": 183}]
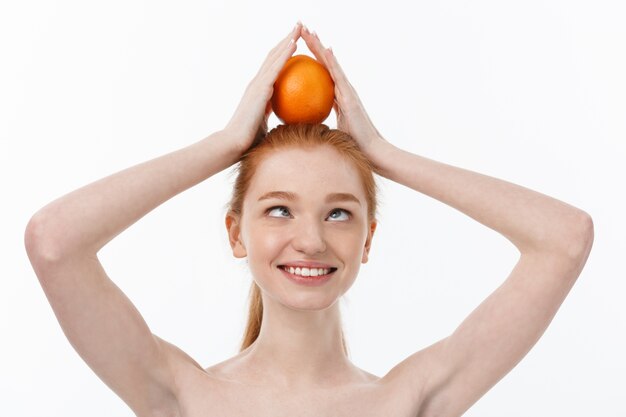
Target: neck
[{"x": 299, "y": 348}]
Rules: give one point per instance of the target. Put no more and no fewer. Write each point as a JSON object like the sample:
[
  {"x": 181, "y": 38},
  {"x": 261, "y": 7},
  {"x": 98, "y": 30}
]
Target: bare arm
[
  {"x": 530, "y": 220},
  {"x": 63, "y": 239},
  {"x": 100, "y": 322},
  {"x": 554, "y": 240},
  {"x": 85, "y": 220}
]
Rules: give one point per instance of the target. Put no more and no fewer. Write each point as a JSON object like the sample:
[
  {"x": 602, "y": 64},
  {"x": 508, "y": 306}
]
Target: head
[{"x": 309, "y": 162}]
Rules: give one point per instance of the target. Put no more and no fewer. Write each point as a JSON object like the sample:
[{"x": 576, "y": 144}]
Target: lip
[{"x": 308, "y": 281}]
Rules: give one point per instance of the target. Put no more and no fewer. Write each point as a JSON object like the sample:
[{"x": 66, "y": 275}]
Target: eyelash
[{"x": 332, "y": 211}]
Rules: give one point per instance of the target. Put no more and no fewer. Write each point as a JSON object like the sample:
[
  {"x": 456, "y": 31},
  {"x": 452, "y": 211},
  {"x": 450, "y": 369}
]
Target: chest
[{"x": 206, "y": 397}]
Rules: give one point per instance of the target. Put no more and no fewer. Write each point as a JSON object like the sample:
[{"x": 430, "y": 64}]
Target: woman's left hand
[{"x": 351, "y": 115}]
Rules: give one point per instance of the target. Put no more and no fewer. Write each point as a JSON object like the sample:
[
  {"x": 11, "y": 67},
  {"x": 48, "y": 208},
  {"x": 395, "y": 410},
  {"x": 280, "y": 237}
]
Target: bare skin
[{"x": 155, "y": 378}]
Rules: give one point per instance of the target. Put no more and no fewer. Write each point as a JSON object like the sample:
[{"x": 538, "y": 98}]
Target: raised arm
[
  {"x": 83, "y": 221},
  {"x": 532, "y": 221},
  {"x": 100, "y": 322},
  {"x": 554, "y": 240},
  {"x": 63, "y": 239}
]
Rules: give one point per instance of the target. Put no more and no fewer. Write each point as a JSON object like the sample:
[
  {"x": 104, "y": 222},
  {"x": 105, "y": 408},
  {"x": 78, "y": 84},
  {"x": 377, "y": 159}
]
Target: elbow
[
  {"x": 580, "y": 239},
  {"x": 39, "y": 244},
  {"x": 571, "y": 240}
]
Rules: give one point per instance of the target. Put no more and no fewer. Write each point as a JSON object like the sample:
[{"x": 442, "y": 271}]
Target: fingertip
[
  {"x": 329, "y": 58},
  {"x": 292, "y": 45},
  {"x": 295, "y": 33}
]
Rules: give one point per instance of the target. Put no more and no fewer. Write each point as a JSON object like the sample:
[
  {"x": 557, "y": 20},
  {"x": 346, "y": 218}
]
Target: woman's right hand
[{"x": 249, "y": 123}]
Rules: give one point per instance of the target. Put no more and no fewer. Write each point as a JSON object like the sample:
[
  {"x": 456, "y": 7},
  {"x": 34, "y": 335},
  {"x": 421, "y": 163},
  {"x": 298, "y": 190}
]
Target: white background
[{"x": 531, "y": 92}]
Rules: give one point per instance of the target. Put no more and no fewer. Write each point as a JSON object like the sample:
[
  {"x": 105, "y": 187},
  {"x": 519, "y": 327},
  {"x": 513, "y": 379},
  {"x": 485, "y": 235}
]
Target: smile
[
  {"x": 307, "y": 272},
  {"x": 310, "y": 281}
]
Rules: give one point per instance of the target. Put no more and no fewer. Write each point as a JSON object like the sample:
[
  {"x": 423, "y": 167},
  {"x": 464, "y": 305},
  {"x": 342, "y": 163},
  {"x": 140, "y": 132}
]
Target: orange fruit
[{"x": 304, "y": 91}]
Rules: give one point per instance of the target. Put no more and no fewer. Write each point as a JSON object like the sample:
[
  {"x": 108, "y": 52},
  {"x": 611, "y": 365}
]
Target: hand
[
  {"x": 249, "y": 123},
  {"x": 351, "y": 115}
]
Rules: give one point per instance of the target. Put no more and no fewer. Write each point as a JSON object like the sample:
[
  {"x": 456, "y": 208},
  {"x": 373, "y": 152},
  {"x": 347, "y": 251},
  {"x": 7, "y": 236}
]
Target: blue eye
[
  {"x": 285, "y": 210},
  {"x": 347, "y": 213},
  {"x": 269, "y": 210}
]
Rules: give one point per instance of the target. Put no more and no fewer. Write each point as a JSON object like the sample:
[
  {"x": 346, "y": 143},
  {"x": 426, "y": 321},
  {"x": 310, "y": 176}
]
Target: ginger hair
[{"x": 294, "y": 136}]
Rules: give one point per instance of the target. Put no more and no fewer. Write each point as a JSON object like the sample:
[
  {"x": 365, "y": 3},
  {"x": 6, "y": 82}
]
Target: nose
[{"x": 308, "y": 238}]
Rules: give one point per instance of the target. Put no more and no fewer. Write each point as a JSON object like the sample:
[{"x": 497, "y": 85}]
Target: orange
[{"x": 304, "y": 91}]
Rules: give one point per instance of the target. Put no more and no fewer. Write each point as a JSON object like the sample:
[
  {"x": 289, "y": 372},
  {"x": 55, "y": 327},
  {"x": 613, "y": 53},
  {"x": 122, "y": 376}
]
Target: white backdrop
[{"x": 531, "y": 92}]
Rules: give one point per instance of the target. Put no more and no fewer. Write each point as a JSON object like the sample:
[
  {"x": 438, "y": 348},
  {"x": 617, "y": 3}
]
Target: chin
[
  {"x": 302, "y": 301},
  {"x": 311, "y": 304}
]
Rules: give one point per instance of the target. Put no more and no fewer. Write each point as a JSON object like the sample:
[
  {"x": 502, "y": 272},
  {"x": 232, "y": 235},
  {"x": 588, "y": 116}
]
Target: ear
[
  {"x": 233, "y": 226},
  {"x": 368, "y": 242}
]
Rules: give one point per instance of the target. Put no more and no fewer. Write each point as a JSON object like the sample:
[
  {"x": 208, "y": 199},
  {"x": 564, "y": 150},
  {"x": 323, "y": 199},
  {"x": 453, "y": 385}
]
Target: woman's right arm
[
  {"x": 98, "y": 319},
  {"x": 63, "y": 238},
  {"x": 83, "y": 221}
]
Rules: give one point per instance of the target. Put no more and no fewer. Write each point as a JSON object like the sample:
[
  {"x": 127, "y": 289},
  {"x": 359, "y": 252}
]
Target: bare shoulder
[
  {"x": 448, "y": 377},
  {"x": 185, "y": 370},
  {"x": 408, "y": 380},
  {"x": 401, "y": 389},
  {"x": 178, "y": 359}
]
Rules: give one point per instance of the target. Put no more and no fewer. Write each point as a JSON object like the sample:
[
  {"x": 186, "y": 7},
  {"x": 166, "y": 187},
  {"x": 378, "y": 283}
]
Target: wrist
[
  {"x": 227, "y": 146},
  {"x": 379, "y": 152},
  {"x": 232, "y": 140}
]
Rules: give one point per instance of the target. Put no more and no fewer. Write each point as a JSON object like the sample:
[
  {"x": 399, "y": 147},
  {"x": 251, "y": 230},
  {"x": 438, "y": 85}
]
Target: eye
[
  {"x": 269, "y": 210},
  {"x": 346, "y": 213},
  {"x": 285, "y": 210}
]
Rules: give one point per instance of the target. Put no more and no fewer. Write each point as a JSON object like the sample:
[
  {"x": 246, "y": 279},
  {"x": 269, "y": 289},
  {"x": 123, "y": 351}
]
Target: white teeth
[{"x": 306, "y": 272}]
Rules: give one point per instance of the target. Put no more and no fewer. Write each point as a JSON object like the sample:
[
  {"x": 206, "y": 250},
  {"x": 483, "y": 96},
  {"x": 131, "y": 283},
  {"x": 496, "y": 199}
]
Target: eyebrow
[{"x": 330, "y": 198}]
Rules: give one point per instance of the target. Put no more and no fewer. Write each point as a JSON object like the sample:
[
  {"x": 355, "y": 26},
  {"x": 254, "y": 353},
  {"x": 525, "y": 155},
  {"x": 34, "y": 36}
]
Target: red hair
[{"x": 295, "y": 136}]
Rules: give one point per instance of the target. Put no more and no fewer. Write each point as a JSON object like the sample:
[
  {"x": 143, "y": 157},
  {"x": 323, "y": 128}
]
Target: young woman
[{"x": 303, "y": 214}]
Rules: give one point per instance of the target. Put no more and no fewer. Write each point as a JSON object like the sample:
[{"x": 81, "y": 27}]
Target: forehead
[{"x": 320, "y": 170}]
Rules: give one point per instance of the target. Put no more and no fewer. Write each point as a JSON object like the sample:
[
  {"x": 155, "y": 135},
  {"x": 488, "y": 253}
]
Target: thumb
[
  {"x": 337, "y": 113},
  {"x": 268, "y": 109}
]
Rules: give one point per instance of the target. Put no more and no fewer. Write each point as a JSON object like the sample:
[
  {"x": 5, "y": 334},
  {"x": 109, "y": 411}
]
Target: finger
[
  {"x": 336, "y": 107},
  {"x": 286, "y": 43},
  {"x": 314, "y": 44},
  {"x": 336, "y": 72},
  {"x": 338, "y": 94},
  {"x": 271, "y": 68},
  {"x": 338, "y": 115},
  {"x": 268, "y": 109},
  {"x": 335, "y": 69},
  {"x": 294, "y": 34}
]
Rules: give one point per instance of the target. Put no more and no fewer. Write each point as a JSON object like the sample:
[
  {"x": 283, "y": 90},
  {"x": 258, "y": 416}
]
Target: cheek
[
  {"x": 264, "y": 244},
  {"x": 347, "y": 244}
]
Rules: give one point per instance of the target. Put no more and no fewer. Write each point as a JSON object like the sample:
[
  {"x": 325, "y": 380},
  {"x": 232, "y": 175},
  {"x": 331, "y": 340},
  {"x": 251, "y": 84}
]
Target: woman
[{"x": 304, "y": 203}]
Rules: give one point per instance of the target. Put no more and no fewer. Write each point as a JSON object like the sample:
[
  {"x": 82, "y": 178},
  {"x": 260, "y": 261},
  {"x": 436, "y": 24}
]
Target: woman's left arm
[
  {"x": 553, "y": 237},
  {"x": 554, "y": 240},
  {"x": 532, "y": 221},
  {"x": 535, "y": 223}
]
